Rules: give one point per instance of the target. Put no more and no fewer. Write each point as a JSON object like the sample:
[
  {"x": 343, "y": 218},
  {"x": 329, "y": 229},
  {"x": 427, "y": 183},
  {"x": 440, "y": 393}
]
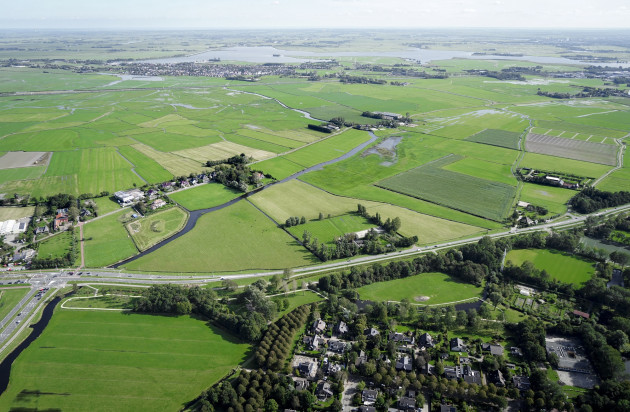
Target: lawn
[
  {"x": 107, "y": 241},
  {"x": 553, "y": 198},
  {"x": 297, "y": 299},
  {"x": 432, "y": 182},
  {"x": 238, "y": 237},
  {"x": 327, "y": 229},
  {"x": 14, "y": 213},
  {"x": 150, "y": 230},
  {"x": 105, "y": 361},
  {"x": 437, "y": 287},
  {"x": 9, "y": 298},
  {"x": 205, "y": 196},
  {"x": 560, "y": 266},
  {"x": 56, "y": 246}
]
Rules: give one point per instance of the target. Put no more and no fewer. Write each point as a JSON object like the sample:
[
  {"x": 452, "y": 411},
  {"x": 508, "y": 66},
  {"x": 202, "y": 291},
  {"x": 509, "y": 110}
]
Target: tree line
[{"x": 591, "y": 200}]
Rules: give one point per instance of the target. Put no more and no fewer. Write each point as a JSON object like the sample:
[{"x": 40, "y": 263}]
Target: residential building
[
  {"x": 457, "y": 345},
  {"x": 341, "y": 328},
  {"x": 496, "y": 350},
  {"x": 425, "y": 341},
  {"x": 337, "y": 346},
  {"x": 323, "y": 391},
  {"x": 319, "y": 326},
  {"x": 308, "y": 369},
  {"x": 496, "y": 377},
  {"x": 406, "y": 404},
  {"x": 401, "y": 338},
  {"x": 404, "y": 363},
  {"x": 369, "y": 396}
]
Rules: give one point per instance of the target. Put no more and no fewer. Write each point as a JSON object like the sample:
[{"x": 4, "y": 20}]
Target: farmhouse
[
  {"x": 554, "y": 180},
  {"x": 127, "y": 197},
  {"x": 157, "y": 204}
]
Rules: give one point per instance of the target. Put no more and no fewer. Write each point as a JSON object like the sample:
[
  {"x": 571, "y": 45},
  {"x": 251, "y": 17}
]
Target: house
[
  {"x": 556, "y": 181},
  {"x": 404, "y": 363},
  {"x": 308, "y": 369},
  {"x": 369, "y": 396},
  {"x": 152, "y": 194},
  {"x": 428, "y": 369},
  {"x": 323, "y": 391},
  {"x": 406, "y": 404},
  {"x": 332, "y": 368},
  {"x": 313, "y": 342},
  {"x": 496, "y": 377},
  {"x": 401, "y": 338},
  {"x": 361, "y": 359},
  {"x": 448, "y": 408},
  {"x": 457, "y": 345},
  {"x": 318, "y": 327},
  {"x": 42, "y": 229},
  {"x": 463, "y": 360},
  {"x": 581, "y": 314},
  {"x": 425, "y": 341},
  {"x": 464, "y": 372},
  {"x": 496, "y": 350},
  {"x": 127, "y": 197},
  {"x": 85, "y": 212},
  {"x": 521, "y": 383},
  {"x": 337, "y": 346},
  {"x": 300, "y": 384},
  {"x": 341, "y": 328},
  {"x": 371, "y": 332},
  {"x": 516, "y": 351},
  {"x": 60, "y": 222},
  {"x": 167, "y": 185},
  {"x": 367, "y": 409},
  {"x": 158, "y": 204},
  {"x": 184, "y": 183}
]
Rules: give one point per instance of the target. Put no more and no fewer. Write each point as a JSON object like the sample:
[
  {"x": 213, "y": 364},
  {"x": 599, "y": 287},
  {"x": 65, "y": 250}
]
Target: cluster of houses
[{"x": 328, "y": 340}]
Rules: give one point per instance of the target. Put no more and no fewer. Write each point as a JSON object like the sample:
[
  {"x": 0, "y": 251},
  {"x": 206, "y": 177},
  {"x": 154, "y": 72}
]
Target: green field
[
  {"x": 238, "y": 237},
  {"x": 494, "y": 137},
  {"x": 149, "y": 169},
  {"x": 297, "y": 299},
  {"x": 8, "y": 213},
  {"x": 56, "y": 246},
  {"x": 105, "y": 361},
  {"x": 432, "y": 182},
  {"x": 10, "y": 297},
  {"x": 553, "y": 198},
  {"x": 560, "y": 266},
  {"x": 106, "y": 241},
  {"x": 437, "y": 287},
  {"x": 327, "y": 230},
  {"x": 205, "y": 196},
  {"x": 148, "y": 231},
  {"x": 562, "y": 165}
]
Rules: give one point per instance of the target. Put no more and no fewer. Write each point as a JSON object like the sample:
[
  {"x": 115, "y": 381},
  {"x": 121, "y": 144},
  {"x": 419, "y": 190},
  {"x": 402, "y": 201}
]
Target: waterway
[
  {"x": 196, "y": 214},
  {"x": 265, "y": 54},
  {"x": 38, "y": 328}
]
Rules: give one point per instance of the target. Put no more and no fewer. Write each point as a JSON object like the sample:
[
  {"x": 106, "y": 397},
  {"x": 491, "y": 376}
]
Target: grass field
[
  {"x": 148, "y": 231},
  {"x": 559, "y": 164},
  {"x": 106, "y": 241},
  {"x": 238, "y": 237},
  {"x": 494, "y": 137},
  {"x": 560, "y": 266},
  {"x": 149, "y": 169},
  {"x": 553, "y": 198},
  {"x": 327, "y": 230},
  {"x": 57, "y": 246},
  {"x": 205, "y": 196},
  {"x": 438, "y": 287},
  {"x": 10, "y": 298},
  {"x": 8, "y": 213},
  {"x": 480, "y": 197},
  {"x": 105, "y": 361},
  {"x": 297, "y": 299}
]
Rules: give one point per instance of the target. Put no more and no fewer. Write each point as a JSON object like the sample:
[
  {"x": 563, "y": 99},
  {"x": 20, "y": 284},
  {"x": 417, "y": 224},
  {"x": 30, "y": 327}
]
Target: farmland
[
  {"x": 496, "y": 137},
  {"x": 204, "y": 196},
  {"x": 148, "y": 231},
  {"x": 560, "y": 266},
  {"x": 7, "y": 213},
  {"x": 437, "y": 287},
  {"x": 254, "y": 243},
  {"x": 103, "y": 361},
  {"x": 57, "y": 246},
  {"x": 326, "y": 230},
  {"x": 572, "y": 149},
  {"x": 106, "y": 241},
  {"x": 476, "y": 196}
]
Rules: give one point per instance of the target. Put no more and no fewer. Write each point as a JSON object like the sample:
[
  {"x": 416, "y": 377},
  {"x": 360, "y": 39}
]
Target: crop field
[
  {"x": 238, "y": 237},
  {"x": 582, "y": 129},
  {"x": 553, "y": 198},
  {"x": 328, "y": 229},
  {"x": 563, "y": 165},
  {"x": 494, "y": 137},
  {"x": 573, "y": 135},
  {"x": 572, "y": 149},
  {"x": 560, "y": 266},
  {"x": 222, "y": 150},
  {"x": 106, "y": 241},
  {"x": 483, "y": 169},
  {"x": 205, "y": 196},
  {"x": 156, "y": 227},
  {"x": 56, "y": 246},
  {"x": 15, "y": 213},
  {"x": 480, "y": 197},
  {"x": 103, "y": 361},
  {"x": 149, "y": 169},
  {"x": 9, "y": 298},
  {"x": 177, "y": 165},
  {"x": 425, "y": 289}
]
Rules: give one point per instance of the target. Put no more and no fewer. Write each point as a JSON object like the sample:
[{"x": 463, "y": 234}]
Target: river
[{"x": 196, "y": 214}]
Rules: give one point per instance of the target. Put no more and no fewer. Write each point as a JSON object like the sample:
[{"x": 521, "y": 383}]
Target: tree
[
  {"x": 620, "y": 258},
  {"x": 495, "y": 298},
  {"x": 271, "y": 405}
]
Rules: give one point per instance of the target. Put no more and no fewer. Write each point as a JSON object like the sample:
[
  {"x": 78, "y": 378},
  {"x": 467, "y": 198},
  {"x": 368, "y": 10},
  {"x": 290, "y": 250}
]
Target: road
[{"x": 58, "y": 279}]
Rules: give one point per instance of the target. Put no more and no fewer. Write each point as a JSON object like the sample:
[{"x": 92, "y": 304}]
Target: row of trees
[
  {"x": 278, "y": 340},
  {"x": 294, "y": 221},
  {"x": 241, "y": 159},
  {"x": 591, "y": 200}
]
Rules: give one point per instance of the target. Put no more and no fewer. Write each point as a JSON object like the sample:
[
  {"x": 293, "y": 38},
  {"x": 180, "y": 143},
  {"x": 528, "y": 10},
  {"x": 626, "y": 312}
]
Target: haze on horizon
[{"x": 269, "y": 14}]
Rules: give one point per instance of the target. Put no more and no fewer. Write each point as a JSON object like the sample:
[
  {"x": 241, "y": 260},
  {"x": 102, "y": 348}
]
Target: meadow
[
  {"x": 8, "y": 213},
  {"x": 432, "y": 182},
  {"x": 204, "y": 196},
  {"x": 104, "y": 361},
  {"x": 238, "y": 237},
  {"x": 560, "y": 266},
  {"x": 56, "y": 246},
  {"x": 152, "y": 229},
  {"x": 327, "y": 229},
  {"x": 553, "y": 198},
  {"x": 494, "y": 137},
  {"x": 106, "y": 241},
  {"x": 437, "y": 287},
  {"x": 296, "y": 299}
]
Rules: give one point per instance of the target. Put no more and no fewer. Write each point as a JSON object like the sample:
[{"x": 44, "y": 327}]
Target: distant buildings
[{"x": 127, "y": 197}]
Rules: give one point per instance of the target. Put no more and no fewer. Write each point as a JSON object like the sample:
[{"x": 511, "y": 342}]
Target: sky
[{"x": 239, "y": 14}]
